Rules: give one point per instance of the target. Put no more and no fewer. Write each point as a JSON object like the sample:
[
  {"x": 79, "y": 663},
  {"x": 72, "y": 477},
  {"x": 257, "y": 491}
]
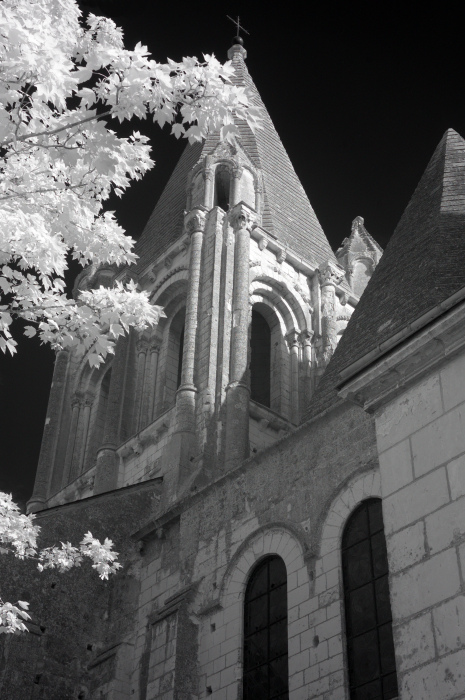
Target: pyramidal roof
[
  {"x": 287, "y": 212},
  {"x": 422, "y": 265}
]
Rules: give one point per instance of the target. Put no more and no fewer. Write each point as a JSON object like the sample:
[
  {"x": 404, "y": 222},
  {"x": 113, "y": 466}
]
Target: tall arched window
[
  {"x": 370, "y": 646},
  {"x": 260, "y": 360},
  {"x": 265, "y": 633},
  {"x": 222, "y": 187}
]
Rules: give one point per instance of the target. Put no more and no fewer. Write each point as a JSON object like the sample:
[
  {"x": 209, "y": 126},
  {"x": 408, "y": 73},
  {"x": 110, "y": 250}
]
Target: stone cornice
[{"x": 389, "y": 374}]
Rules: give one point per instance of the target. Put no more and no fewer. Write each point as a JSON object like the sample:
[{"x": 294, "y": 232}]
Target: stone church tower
[
  {"x": 255, "y": 303},
  {"x": 287, "y": 495}
]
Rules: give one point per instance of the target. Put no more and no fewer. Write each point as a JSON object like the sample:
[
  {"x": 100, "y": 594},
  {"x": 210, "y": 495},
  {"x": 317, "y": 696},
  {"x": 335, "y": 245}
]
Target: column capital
[
  {"x": 306, "y": 337},
  {"x": 141, "y": 345},
  {"x": 194, "y": 220},
  {"x": 293, "y": 338},
  {"x": 330, "y": 274},
  {"x": 242, "y": 217},
  {"x": 237, "y": 171}
]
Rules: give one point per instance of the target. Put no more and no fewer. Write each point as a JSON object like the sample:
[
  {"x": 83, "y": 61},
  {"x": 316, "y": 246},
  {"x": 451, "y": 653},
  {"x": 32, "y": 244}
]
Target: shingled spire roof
[
  {"x": 287, "y": 211},
  {"x": 422, "y": 266}
]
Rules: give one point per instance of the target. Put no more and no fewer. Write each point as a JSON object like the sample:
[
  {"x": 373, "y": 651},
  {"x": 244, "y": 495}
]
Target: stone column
[
  {"x": 185, "y": 396},
  {"x": 294, "y": 345},
  {"x": 181, "y": 450},
  {"x": 238, "y": 390},
  {"x": 236, "y": 184},
  {"x": 106, "y": 472},
  {"x": 330, "y": 276},
  {"x": 208, "y": 194},
  {"x": 52, "y": 426},
  {"x": 308, "y": 388},
  {"x": 76, "y": 402},
  {"x": 87, "y": 407},
  {"x": 153, "y": 372},
  {"x": 141, "y": 388}
]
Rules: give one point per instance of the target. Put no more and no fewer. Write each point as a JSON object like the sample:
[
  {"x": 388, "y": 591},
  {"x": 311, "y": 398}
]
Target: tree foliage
[
  {"x": 18, "y": 536},
  {"x": 61, "y": 87},
  {"x": 63, "y": 83}
]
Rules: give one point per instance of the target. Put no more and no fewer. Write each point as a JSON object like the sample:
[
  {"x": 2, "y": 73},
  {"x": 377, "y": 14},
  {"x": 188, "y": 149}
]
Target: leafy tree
[
  {"x": 59, "y": 161},
  {"x": 18, "y": 535},
  {"x": 62, "y": 82}
]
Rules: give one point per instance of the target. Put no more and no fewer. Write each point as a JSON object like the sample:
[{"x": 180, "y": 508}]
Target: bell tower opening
[
  {"x": 222, "y": 187},
  {"x": 260, "y": 360}
]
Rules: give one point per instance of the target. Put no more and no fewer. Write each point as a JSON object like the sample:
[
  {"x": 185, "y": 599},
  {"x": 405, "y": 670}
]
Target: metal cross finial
[{"x": 238, "y": 25}]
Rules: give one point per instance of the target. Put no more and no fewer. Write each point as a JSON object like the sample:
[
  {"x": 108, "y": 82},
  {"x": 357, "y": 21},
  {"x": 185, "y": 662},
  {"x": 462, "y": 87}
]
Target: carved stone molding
[
  {"x": 141, "y": 345},
  {"x": 281, "y": 255},
  {"x": 241, "y": 217},
  {"x": 330, "y": 273},
  {"x": 237, "y": 171},
  {"x": 262, "y": 242},
  {"x": 195, "y": 220}
]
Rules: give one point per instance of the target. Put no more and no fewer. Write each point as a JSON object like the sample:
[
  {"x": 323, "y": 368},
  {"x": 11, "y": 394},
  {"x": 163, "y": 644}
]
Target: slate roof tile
[
  {"x": 287, "y": 210},
  {"x": 422, "y": 266}
]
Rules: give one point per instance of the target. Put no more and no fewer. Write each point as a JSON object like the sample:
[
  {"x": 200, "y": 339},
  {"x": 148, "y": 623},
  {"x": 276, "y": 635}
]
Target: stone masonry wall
[
  {"x": 80, "y": 639},
  {"x": 292, "y": 500},
  {"x": 421, "y": 441}
]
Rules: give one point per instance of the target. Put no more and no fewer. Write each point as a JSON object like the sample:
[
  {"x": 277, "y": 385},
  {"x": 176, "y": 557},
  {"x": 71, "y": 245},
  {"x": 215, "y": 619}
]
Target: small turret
[{"x": 359, "y": 255}]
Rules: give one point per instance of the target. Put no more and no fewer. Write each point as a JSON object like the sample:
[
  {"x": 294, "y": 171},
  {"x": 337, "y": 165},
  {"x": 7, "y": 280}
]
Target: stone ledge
[{"x": 387, "y": 377}]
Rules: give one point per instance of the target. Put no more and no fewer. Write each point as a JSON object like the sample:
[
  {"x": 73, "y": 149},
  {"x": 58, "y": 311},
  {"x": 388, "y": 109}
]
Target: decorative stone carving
[
  {"x": 237, "y": 171},
  {"x": 330, "y": 273},
  {"x": 141, "y": 345},
  {"x": 195, "y": 220},
  {"x": 281, "y": 255},
  {"x": 262, "y": 242},
  {"x": 241, "y": 217}
]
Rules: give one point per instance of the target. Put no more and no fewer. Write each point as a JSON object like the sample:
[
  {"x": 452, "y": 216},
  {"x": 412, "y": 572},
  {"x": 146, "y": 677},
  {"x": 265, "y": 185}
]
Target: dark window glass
[
  {"x": 265, "y": 633},
  {"x": 370, "y": 646},
  {"x": 222, "y": 187},
  {"x": 260, "y": 360}
]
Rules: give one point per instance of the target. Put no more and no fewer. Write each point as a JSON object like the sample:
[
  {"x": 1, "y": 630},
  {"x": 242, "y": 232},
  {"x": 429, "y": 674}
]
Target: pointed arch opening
[
  {"x": 370, "y": 645},
  {"x": 265, "y": 664}
]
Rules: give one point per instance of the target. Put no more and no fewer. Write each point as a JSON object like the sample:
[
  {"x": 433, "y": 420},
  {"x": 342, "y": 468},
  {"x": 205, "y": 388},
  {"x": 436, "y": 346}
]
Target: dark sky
[{"x": 360, "y": 94}]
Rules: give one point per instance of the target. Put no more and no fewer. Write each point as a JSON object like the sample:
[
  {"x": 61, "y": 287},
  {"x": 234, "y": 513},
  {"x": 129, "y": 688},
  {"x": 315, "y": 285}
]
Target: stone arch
[
  {"x": 277, "y": 538},
  {"x": 171, "y": 295},
  {"x": 357, "y": 489},
  {"x": 292, "y": 356},
  {"x": 290, "y": 301}
]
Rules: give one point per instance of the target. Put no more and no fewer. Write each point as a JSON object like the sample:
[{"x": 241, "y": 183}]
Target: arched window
[
  {"x": 222, "y": 187},
  {"x": 260, "y": 359},
  {"x": 265, "y": 633},
  {"x": 370, "y": 646}
]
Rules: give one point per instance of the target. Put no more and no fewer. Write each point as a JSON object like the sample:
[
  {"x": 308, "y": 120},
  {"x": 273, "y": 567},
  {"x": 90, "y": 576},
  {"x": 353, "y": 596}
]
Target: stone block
[
  {"x": 453, "y": 384},
  {"x": 299, "y": 662},
  {"x": 298, "y": 595},
  {"x": 406, "y": 547},
  {"x": 446, "y": 526},
  {"x": 456, "y": 476},
  {"x": 414, "y": 643},
  {"x": 440, "y": 680},
  {"x": 415, "y": 501},
  {"x": 449, "y": 625},
  {"x": 424, "y": 585},
  {"x": 395, "y": 465},
  {"x": 406, "y": 414},
  {"x": 439, "y": 442}
]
